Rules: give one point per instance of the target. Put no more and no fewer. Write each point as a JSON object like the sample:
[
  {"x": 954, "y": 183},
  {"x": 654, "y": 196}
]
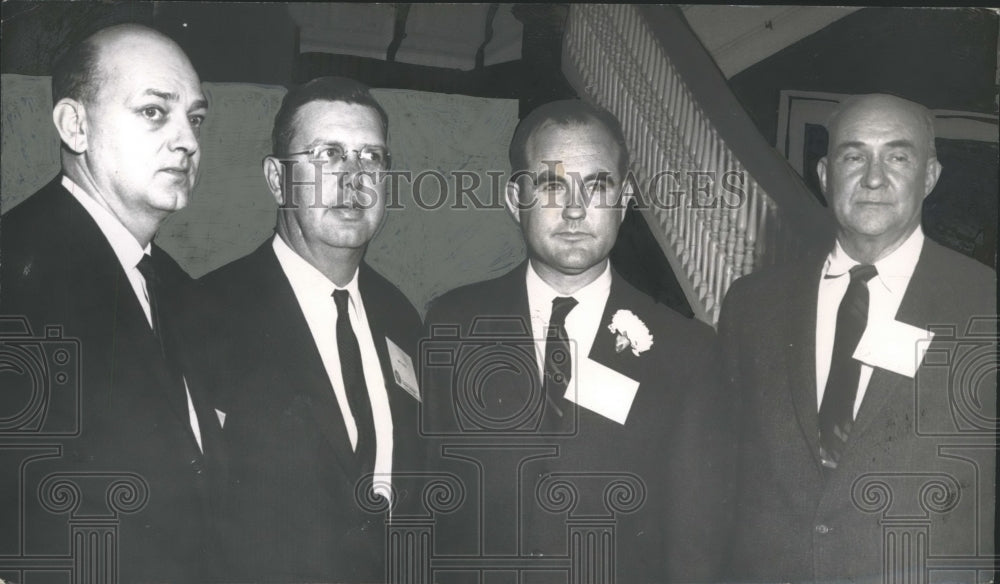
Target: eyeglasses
[{"x": 370, "y": 158}]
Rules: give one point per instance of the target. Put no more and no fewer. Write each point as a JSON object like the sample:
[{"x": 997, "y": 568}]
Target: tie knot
[
  {"x": 561, "y": 305},
  {"x": 145, "y": 267},
  {"x": 863, "y": 272},
  {"x": 340, "y": 298}
]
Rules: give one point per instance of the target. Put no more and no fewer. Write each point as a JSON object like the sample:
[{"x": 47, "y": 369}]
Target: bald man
[
  {"x": 863, "y": 458},
  {"x": 79, "y": 254}
]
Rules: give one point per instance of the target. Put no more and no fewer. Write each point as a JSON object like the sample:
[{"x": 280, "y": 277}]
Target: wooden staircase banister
[
  {"x": 732, "y": 122},
  {"x": 645, "y": 65}
]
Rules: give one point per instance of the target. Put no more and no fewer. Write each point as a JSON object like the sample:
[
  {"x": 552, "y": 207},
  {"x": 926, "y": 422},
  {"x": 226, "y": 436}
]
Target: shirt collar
[
  {"x": 124, "y": 244},
  {"x": 540, "y": 291},
  {"x": 305, "y": 278},
  {"x": 893, "y": 269}
]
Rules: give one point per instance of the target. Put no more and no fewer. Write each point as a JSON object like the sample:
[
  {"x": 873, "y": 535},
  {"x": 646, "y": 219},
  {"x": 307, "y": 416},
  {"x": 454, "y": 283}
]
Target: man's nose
[
  {"x": 874, "y": 174},
  {"x": 350, "y": 167},
  {"x": 186, "y": 136},
  {"x": 575, "y": 207},
  {"x": 354, "y": 187}
]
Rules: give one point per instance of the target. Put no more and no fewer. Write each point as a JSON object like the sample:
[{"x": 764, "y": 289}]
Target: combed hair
[
  {"x": 77, "y": 74},
  {"x": 567, "y": 112},
  {"x": 340, "y": 89}
]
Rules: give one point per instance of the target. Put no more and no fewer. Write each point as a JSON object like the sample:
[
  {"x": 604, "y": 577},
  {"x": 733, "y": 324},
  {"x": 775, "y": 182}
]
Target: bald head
[
  {"x": 874, "y": 105},
  {"x": 81, "y": 70}
]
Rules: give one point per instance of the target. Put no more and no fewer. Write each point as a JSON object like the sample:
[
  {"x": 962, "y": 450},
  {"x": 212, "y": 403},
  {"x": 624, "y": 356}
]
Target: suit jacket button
[
  {"x": 196, "y": 466},
  {"x": 822, "y": 529}
]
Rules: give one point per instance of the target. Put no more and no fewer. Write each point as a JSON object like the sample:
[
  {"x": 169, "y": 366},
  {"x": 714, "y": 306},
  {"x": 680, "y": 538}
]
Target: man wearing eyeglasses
[{"x": 310, "y": 352}]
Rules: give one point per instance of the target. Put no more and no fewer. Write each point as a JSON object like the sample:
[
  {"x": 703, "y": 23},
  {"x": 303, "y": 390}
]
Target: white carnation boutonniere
[{"x": 632, "y": 333}]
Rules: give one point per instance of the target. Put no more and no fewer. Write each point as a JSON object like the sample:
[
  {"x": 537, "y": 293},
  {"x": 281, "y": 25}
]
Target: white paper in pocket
[
  {"x": 603, "y": 391},
  {"x": 894, "y": 346}
]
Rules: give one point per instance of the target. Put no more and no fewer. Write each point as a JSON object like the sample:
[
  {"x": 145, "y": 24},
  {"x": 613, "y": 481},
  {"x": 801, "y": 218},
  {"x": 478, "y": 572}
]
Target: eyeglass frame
[{"x": 343, "y": 157}]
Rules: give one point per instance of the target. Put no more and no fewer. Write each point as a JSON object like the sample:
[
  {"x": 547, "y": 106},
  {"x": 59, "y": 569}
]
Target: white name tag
[
  {"x": 894, "y": 346},
  {"x": 402, "y": 369},
  {"x": 602, "y": 390}
]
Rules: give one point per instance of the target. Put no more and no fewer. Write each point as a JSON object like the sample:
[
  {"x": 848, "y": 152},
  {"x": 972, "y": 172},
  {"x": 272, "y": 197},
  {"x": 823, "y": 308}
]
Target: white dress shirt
[
  {"x": 314, "y": 293},
  {"x": 581, "y": 323},
  {"x": 129, "y": 252},
  {"x": 885, "y": 292}
]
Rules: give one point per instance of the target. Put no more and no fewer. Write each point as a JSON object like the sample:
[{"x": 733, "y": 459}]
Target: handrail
[{"x": 719, "y": 199}]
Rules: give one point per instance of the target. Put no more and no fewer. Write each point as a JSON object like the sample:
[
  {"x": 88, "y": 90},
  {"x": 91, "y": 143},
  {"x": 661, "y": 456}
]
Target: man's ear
[
  {"x": 821, "y": 173},
  {"x": 513, "y": 199},
  {"x": 70, "y": 119},
  {"x": 933, "y": 174},
  {"x": 274, "y": 176}
]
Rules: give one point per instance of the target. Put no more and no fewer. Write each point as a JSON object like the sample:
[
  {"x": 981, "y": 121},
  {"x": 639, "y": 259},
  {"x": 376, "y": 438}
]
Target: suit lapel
[
  {"x": 208, "y": 425},
  {"x": 913, "y": 310},
  {"x": 514, "y": 293},
  {"x": 302, "y": 367},
  {"x": 379, "y": 310},
  {"x": 134, "y": 340},
  {"x": 171, "y": 382},
  {"x": 621, "y": 297},
  {"x": 510, "y": 317},
  {"x": 511, "y": 300},
  {"x": 800, "y": 356}
]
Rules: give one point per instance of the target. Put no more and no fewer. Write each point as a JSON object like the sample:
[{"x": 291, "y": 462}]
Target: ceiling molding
[
  {"x": 740, "y": 36},
  {"x": 362, "y": 30},
  {"x": 436, "y": 35},
  {"x": 450, "y": 35}
]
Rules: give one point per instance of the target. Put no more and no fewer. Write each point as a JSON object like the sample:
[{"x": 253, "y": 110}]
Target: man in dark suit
[
  {"x": 78, "y": 254},
  {"x": 601, "y": 449},
  {"x": 862, "y": 457},
  {"x": 310, "y": 355}
]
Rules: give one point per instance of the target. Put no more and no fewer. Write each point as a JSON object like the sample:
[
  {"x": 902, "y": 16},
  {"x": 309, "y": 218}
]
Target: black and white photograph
[{"x": 309, "y": 292}]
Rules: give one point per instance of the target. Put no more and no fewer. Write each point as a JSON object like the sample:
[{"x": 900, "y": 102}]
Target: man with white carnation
[{"x": 569, "y": 385}]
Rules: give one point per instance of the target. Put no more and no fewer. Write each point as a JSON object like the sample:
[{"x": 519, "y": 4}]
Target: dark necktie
[
  {"x": 354, "y": 383},
  {"x": 836, "y": 413},
  {"x": 154, "y": 291},
  {"x": 145, "y": 267},
  {"x": 558, "y": 360}
]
